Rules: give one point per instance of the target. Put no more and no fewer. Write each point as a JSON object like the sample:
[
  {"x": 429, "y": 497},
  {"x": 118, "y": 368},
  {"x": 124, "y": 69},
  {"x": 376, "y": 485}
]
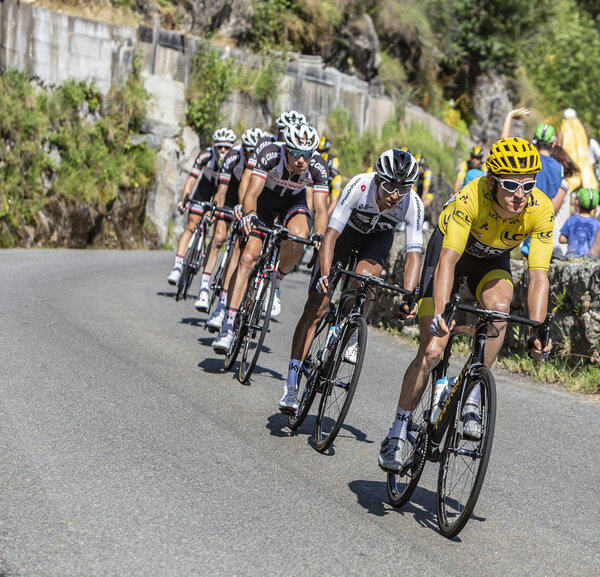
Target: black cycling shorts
[
  {"x": 205, "y": 190},
  {"x": 371, "y": 246},
  {"x": 271, "y": 205}
]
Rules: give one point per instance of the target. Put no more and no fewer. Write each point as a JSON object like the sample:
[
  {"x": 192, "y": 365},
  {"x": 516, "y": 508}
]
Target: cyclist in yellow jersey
[{"x": 475, "y": 234}]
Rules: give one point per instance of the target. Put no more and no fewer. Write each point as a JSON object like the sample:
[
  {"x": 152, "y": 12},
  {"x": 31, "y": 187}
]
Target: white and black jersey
[
  {"x": 207, "y": 165},
  {"x": 357, "y": 208},
  {"x": 271, "y": 166},
  {"x": 264, "y": 141},
  {"x": 231, "y": 173}
]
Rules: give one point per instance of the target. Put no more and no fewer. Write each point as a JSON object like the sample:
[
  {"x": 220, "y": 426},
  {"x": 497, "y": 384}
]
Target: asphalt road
[{"x": 126, "y": 450}]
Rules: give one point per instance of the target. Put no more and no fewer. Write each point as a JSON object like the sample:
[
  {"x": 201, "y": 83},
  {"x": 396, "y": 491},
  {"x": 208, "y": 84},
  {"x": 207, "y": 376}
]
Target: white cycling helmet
[
  {"x": 289, "y": 118},
  {"x": 251, "y": 137},
  {"x": 397, "y": 165},
  {"x": 301, "y": 137},
  {"x": 223, "y": 137}
]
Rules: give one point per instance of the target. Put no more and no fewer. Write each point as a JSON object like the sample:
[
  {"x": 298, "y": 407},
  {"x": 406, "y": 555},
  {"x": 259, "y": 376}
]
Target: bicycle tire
[
  {"x": 464, "y": 462},
  {"x": 308, "y": 374},
  {"x": 258, "y": 322},
  {"x": 195, "y": 263},
  {"x": 401, "y": 485},
  {"x": 182, "y": 283},
  {"x": 240, "y": 324},
  {"x": 338, "y": 390},
  {"x": 218, "y": 279}
]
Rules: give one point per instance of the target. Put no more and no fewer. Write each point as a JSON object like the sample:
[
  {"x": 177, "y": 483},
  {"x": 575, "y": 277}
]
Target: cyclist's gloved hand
[
  {"x": 180, "y": 207},
  {"x": 405, "y": 313},
  {"x": 535, "y": 351},
  {"x": 323, "y": 284},
  {"x": 316, "y": 239},
  {"x": 237, "y": 211},
  {"x": 438, "y": 326},
  {"x": 247, "y": 222}
]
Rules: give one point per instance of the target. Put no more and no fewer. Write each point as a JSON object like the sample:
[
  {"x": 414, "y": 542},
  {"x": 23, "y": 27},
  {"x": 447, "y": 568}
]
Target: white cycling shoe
[
  {"x": 215, "y": 322},
  {"x": 351, "y": 352},
  {"x": 201, "y": 303},
  {"x": 289, "y": 402},
  {"x": 222, "y": 343},
  {"x": 276, "y": 308},
  {"x": 174, "y": 275}
]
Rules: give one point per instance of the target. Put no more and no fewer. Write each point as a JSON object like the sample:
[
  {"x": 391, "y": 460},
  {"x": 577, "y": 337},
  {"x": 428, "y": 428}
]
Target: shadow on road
[
  {"x": 194, "y": 321},
  {"x": 165, "y": 294}
]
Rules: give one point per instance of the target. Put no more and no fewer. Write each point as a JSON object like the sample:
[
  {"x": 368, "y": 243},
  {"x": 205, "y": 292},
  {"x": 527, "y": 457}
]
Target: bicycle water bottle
[
  {"x": 334, "y": 333},
  {"x": 440, "y": 394}
]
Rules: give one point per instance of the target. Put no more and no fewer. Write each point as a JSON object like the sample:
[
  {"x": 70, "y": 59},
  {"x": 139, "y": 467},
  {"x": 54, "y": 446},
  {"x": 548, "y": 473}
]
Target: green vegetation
[
  {"x": 357, "y": 153},
  {"x": 211, "y": 81},
  {"x": 48, "y": 148}
]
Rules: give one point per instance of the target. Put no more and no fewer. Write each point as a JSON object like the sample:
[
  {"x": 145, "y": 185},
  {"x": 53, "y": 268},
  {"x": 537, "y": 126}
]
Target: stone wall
[
  {"x": 574, "y": 288},
  {"x": 55, "y": 47}
]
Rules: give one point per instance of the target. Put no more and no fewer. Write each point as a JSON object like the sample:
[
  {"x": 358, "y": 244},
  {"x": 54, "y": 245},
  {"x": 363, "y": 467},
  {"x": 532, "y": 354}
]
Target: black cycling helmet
[{"x": 397, "y": 165}]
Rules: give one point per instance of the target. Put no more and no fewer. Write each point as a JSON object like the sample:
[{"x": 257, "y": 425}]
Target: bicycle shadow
[
  {"x": 165, "y": 294},
  {"x": 193, "y": 321},
  {"x": 212, "y": 365},
  {"x": 373, "y": 496},
  {"x": 278, "y": 425}
]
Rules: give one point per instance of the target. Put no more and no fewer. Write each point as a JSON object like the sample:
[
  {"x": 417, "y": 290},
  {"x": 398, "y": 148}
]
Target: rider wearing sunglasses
[
  {"x": 370, "y": 207},
  {"x": 475, "y": 234}
]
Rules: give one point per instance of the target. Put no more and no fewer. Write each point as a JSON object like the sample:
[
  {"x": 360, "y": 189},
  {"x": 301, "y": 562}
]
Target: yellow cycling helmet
[{"x": 513, "y": 156}]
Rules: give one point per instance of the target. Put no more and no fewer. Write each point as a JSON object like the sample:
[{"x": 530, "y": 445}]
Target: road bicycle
[
  {"x": 463, "y": 460},
  {"x": 252, "y": 321},
  {"x": 327, "y": 368},
  {"x": 218, "y": 280},
  {"x": 194, "y": 255}
]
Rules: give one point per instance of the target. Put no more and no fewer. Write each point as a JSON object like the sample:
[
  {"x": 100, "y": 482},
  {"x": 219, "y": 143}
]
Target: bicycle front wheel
[
  {"x": 340, "y": 382},
  {"x": 195, "y": 262},
  {"x": 402, "y": 484},
  {"x": 309, "y": 374},
  {"x": 465, "y": 459},
  {"x": 258, "y": 326}
]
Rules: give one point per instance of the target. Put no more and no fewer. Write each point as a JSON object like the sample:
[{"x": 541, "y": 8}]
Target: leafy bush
[
  {"x": 210, "y": 83},
  {"x": 94, "y": 161}
]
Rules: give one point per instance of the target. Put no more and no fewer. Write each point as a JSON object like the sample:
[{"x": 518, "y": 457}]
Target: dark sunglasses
[
  {"x": 513, "y": 185},
  {"x": 393, "y": 187},
  {"x": 300, "y": 153}
]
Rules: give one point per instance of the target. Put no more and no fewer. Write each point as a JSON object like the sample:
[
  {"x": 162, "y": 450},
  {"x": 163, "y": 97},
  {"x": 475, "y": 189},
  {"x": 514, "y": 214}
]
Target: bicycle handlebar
[
  {"x": 283, "y": 233},
  {"x": 337, "y": 271},
  {"x": 454, "y": 304}
]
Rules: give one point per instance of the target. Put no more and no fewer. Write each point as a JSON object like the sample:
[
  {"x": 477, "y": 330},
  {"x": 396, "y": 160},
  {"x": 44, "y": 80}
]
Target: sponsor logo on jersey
[
  {"x": 511, "y": 239},
  {"x": 459, "y": 214},
  {"x": 545, "y": 237},
  {"x": 484, "y": 226},
  {"x": 483, "y": 250},
  {"x": 363, "y": 188},
  {"x": 493, "y": 215}
]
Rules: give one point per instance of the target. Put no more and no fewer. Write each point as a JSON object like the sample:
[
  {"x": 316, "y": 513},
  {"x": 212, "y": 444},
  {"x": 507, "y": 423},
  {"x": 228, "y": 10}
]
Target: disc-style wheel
[
  {"x": 258, "y": 326},
  {"x": 464, "y": 461},
  {"x": 339, "y": 383}
]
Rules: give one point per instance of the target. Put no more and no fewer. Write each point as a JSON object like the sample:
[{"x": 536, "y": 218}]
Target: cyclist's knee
[
  {"x": 433, "y": 355},
  {"x": 247, "y": 259}
]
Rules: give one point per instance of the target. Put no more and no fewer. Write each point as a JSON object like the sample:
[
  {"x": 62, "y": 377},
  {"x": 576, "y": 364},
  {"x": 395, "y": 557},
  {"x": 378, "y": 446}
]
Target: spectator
[{"x": 580, "y": 229}]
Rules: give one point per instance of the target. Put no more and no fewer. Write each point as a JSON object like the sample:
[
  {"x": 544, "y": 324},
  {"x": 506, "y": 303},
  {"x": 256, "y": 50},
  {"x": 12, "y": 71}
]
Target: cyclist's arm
[
  {"x": 537, "y": 304},
  {"x": 517, "y": 113},
  {"x": 320, "y": 212},
  {"x": 219, "y": 197},
  {"x": 188, "y": 187},
  {"x": 257, "y": 183},
  {"x": 326, "y": 250},
  {"x": 443, "y": 279},
  {"x": 244, "y": 182},
  {"x": 412, "y": 267}
]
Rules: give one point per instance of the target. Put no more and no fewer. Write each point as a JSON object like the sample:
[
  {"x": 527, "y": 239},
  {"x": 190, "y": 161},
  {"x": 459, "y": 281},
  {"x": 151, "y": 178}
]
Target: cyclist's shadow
[{"x": 372, "y": 495}]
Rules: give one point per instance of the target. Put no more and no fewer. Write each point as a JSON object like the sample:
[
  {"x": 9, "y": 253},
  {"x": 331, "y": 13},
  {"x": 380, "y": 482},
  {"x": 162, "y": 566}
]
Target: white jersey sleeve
[{"x": 414, "y": 223}]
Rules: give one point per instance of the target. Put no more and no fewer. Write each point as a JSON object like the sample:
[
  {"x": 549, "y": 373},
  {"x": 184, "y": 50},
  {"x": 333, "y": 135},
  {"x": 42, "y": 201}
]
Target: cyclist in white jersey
[{"x": 370, "y": 207}]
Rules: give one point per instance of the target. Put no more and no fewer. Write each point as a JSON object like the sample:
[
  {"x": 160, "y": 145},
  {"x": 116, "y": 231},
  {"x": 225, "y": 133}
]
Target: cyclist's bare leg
[
  {"x": 428, "y": 356},
  {"x": 186, "y": 235},
  {"x": 367, "y": 267},
  {"x": 216, "y": 243},
  {"x": 239, "y": 280},
  {"x": 496, "y": 295},
  {"x": 233, "y": 262},
  {"x": 291, "y": 252},
  {"x": 315, "y": 309}
]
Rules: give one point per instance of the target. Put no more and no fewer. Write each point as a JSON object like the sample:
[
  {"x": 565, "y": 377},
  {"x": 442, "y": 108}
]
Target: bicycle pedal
[{"x": 287, "y": 411}]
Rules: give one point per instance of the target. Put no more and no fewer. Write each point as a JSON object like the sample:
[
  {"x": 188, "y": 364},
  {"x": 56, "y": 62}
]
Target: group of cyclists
[{"x": 293, "y": 178}]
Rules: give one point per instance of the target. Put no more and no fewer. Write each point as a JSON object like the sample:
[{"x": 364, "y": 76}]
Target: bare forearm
[
  {"x": 537, "y": 295},
  {"x": 411, "y": 270},
  {"x": 444, "y": 279}
]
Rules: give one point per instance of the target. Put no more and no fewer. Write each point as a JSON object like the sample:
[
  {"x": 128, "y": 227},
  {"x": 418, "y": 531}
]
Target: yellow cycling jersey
[{"x": 470, "y": 224}]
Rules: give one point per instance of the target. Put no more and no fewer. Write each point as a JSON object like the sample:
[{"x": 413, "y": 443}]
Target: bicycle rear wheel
[
  {"x": 402, "y": 484},
  {"x": 308, "y": 376},
  {"x": 464, "y": 462},
  {"x": 258, "y": 326},
  {"x": 184, "y": 278},
  {"x": 339, "y": 384},
  {"x": 195, "y": 262}
]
